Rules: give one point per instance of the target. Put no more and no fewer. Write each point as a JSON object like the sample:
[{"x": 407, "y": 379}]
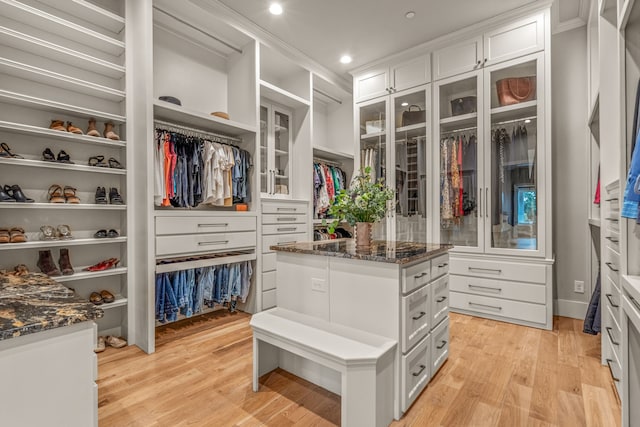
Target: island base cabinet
[
  {"x": 415, "y": 372},
  {"x": 439, "y": 346}
]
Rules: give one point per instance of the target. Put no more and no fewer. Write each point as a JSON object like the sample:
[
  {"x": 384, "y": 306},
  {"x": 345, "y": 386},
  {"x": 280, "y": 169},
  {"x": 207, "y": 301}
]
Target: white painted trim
[
  {"x": 568, "y": 308},
  {"x": 558, "y": 27}
]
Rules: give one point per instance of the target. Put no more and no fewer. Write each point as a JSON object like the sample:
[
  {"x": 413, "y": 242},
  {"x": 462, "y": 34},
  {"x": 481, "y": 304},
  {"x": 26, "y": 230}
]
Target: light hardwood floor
[{"x": 497, "y": 374}]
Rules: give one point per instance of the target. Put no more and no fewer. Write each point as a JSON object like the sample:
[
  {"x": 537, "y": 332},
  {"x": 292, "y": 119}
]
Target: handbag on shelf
[
  {"x": 464, "y": 105},
  {"x": 514, "y": 90},
  {"x": 412, "y": 117}
]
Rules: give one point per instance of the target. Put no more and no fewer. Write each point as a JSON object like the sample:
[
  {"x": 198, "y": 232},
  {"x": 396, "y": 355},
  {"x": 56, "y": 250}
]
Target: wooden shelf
[
  {"x": 89, "y": 12},
  {"x": 417, "y": 126},
  {"x": 80, "y": 206},
  {"x": 119, "y": 301},
  {"x": 29, "y": 15},
  {"x": 47, "y": 49},
  {"x": 60, "y": 243},
  {"x": 56, "y": 107},
  {"x": 281, "y": 96},
  {"x": 372, "y": 135},
  {"x": 56, "y": 134},
  {"x": 514, "y": 112},
  {"x": 332, "y": 155},
  {"x": 175, "y": 113},
  {"x": 462, "y": 121},
  {"x": 80, "y": 274},
  {"x": 61, "y": 166}
]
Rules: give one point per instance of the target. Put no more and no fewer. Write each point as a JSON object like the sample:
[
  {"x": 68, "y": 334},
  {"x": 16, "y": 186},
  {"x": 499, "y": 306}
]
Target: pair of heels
[
  {"x": 91, "y": 129},
  {"x": 99, "y": 162},
  {"x": 62, "y": 232},
  {"x": 13, "y": 193},
  {"x": 114, "y": 196},
  {"x": 63, "y": 157},
  {"x": 104, "y": 265},
  {"x": 5, "y": 152},
  {"x": 59, "y": 195}
]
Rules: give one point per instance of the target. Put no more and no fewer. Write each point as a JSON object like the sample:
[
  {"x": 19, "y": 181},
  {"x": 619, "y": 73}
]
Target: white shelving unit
[{"x": 171, "y": 112}]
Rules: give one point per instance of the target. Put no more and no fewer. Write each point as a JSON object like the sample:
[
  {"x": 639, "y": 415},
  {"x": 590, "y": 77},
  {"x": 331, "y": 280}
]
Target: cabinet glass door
[
  {"x": 282, "y": 151},
  {"x": 460, "y": 150},
  {"x": 513, "y": 182},
  {"x": 264, "y": 157},
  {"x": 410, "y": 118}
]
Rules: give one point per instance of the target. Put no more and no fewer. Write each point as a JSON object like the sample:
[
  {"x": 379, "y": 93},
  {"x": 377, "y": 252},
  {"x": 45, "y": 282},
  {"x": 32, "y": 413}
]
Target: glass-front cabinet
[{"x": 275, "y": 151}]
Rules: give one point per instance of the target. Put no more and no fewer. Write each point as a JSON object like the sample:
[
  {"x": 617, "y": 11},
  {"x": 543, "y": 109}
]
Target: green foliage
[{"x": 364, "y": 201}]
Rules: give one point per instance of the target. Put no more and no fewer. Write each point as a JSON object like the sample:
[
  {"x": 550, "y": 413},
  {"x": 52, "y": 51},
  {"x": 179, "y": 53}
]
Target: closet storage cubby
[{"x": 63, "y": 60}]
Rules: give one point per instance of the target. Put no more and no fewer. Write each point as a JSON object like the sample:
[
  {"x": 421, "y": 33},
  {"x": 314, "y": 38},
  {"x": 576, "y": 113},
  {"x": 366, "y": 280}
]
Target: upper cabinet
[
  {"x": 392, "y": 78},
  {"x": 501, "y": 44}
]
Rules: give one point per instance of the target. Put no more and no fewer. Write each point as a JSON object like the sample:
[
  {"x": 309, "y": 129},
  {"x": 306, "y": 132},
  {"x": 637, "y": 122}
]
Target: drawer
[
  {"x": 197, "y": 243},
  {"x": 268, "y": 281},
  {"x": 439, "y": 299},
  {"x": 416, "y": 317},
  {"x": 415, "y": 372},
  {"x": 167, "y": 225},
  {"x": 275, "y": 219},
  {"x": 279, "y": 239},
  {"x": 269, "y": 262},
  {"x": 284, "y": 228},
  {"x": 505, "y": 270},
  {"x": 613, "y": 362},
  {"x": 415, "y": 276},
  {"x": 439, "y": 266},
  {"x": 612, "y": 271},
  {"x": 269, "y": 299},
  {"x": 439, "y": 346},
  {"x": 524, "y": 311},
  {"x": 518, "y": 291},
  {"x": 285, "y": 208},
  {"x": 612, "y": 331},
  {"x": 613, "y": 301}
]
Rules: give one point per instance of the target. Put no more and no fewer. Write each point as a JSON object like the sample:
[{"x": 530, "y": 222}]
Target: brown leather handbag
[{"x": 514, "y": 90}]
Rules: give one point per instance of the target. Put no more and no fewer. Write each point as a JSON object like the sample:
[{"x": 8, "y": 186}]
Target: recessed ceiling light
[
  {"x": 345, "y": 59},
  {"x": 410, "y": 14},
  {"x": 404, "y": 104},
  {"x": 275, "y": 9}
]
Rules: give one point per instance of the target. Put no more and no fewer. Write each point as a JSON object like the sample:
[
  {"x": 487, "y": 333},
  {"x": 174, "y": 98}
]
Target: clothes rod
[
  {"x": 460, "y": 130},
  {"x": 522, "y": 119},
  {"x": 326, "y": 162},
  {"x": 193, "y": 27},
  {"x": 325, "y": 94},
  {"x": 196, "y": 131}
]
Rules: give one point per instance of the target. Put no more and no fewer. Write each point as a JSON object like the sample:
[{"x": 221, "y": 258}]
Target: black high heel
[
  {"x": 16, "y": 192},
  {"x": 63, "y": 157},
  {"x": 48, "y": 156},
  {"x": 5, "y": 151},
  {"x": 5, "y": 197}
]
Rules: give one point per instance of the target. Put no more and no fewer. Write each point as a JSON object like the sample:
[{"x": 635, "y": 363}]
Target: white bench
[{"x": 365, "y": 361}]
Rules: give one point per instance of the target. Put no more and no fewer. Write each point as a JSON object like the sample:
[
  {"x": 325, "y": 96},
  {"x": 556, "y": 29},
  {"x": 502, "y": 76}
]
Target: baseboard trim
[{"x": 568, "y": 308}]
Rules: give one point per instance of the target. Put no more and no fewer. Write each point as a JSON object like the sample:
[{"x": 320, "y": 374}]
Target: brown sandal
[
  {"x": 74, "y": 129},
  {"x": 70, "y": 195},
  {"x": 57, "y": 125},
  {"x": 5, "y": 237},
  {"x": 17, "y": 235},
  {"x": 55, "y": 194}
]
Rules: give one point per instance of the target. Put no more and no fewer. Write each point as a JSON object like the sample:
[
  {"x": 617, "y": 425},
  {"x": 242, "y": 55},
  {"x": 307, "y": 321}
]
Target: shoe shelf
[
  {"x": 175, "y": 113},
  {"x": 79, "y": 206},
  {"x": 34, "y": 244},
  {"x": 57, "y": 107},
  {"x": 63, "y": 166},
  {"x": 40, "y": 75},
  {"x": 41, "y": 19},
  {"x": 118, "y": 302},
  {"x": 87, "y": 11},
  {"x": 56, "y": 52},
  {"x": 56, "y": 134},
  {"x": 80, "y": 274}
]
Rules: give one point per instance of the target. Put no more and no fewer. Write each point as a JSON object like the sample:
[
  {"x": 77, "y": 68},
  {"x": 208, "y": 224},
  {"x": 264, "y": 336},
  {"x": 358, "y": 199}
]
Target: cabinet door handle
[
  {"x": 493, "y": 307},
  {"x": 611, "y": 371},
  {"x": 478, "y": 63},
  {"x": 614, "y": 199},
  {"x": 609, "y": 264},
  {"x": 421, "y": 315},
  {"x": 441, "y": 299},
  {"x": 286, "y": 219},
  {"x": 488, "y": 288},
  {"x": 443, "y": 265},
  {"x": 213, "y": 225},
  {"x": 612, "y": 239},
  {"x": 442, "y": 344},
  {"x": 485, "y": 60},
  {"x": 488, "y": 270},
  {"x": 422, "y": 368},
  {"x": 273, "y": 182},
  {"x": 486, "y": 203},
  {"x": 216, "y": 242},
  {"x": 612, "y": 219},
  {"x": 480, "y": 193},
  {"x": 418, "y": 276},
  {"x": 613, "y": 304},
  {"x": 286, "y": 209},
  {"x": 609, "y": 329},
  {"x": 286, "y": 228}
]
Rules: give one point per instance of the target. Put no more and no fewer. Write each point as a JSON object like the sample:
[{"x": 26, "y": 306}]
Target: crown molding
[{"x": 558, "y": 27}]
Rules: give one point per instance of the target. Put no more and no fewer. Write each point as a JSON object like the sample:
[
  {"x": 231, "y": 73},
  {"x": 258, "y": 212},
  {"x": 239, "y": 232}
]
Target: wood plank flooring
[{"x": 497, "y": 374}]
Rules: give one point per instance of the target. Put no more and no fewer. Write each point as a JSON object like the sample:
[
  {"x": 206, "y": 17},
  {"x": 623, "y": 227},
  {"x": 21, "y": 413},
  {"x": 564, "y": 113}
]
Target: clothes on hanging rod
[
  {"x": 327, "y": 182},
  {"x": 449, "y": 132},
  {"x": 458, "y": 178},
  {"x": 521, "y": 120},
  {"x": 326, "y": 162},
  {"x": 189, "y": 131}
]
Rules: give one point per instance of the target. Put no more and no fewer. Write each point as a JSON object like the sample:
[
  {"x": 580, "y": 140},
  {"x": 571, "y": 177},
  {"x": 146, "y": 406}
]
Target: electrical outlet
[
  {"x": 318, "y": 285},
  {"x": 578, "y": 286}
]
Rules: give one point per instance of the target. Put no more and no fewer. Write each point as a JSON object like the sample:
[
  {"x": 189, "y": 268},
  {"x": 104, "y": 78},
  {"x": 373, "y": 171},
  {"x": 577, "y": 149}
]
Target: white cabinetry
[
  {"x": 275, "y": 151},
  {"x": 392, "y": 78},
  {"x": 630, "y": 351}
]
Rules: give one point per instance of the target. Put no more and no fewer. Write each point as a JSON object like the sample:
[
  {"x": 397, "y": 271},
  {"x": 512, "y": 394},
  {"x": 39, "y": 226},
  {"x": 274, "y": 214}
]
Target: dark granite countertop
[
  {"x": 35, "y": 302},
  {"x": 380, "y": 251}
]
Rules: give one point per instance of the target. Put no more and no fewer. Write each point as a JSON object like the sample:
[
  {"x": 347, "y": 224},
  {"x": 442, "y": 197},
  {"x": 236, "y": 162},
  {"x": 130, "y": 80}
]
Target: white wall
[{"x": 570, "y": 170}]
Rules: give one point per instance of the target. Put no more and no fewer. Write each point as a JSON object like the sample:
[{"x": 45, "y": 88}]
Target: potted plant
[{"x": 363, "y": 203}]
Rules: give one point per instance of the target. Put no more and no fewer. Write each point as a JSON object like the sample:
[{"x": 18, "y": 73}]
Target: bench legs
[{"x": 265, "y": 359}]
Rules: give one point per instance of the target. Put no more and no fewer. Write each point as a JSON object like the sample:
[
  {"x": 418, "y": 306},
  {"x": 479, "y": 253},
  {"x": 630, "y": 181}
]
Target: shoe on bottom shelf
[
  {"x": 116, "y": 342},
  {"x": 100, "y": 346}
]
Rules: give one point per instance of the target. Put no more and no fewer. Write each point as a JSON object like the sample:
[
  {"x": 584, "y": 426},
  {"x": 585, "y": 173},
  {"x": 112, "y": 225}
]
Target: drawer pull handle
[
  {"x": 489, "y": 288},
  {"x": 614, "y": 199},
  {"x": 633, "y": 300},
  {"x": 442, "y": 344},
  {"x": 443, "y": 265},
  {"x": 613, "y": 304},
  {"x": 610, "y": 264},
  {"x": 217, "y": 242},
  {"x": 422, "y": 368},
  {"x": 422, "y": 314},
  {"x": 441, "y": 299},
  {"x": 612, "y": 239},
  {"x": 488, "y": 270},
  {"x": 286, "y": 218},
  {"x": 286, "y": 228},
  {"x": 609, "y": 329},
  {"x": 213, "y": 225},
  {"x": 418, "y": 276},
  {"x": 485, "y": 306},
  {"x": 611, "y": 371},
  {"x": 612, "y": 219},
  {"x": 286, "y": 243},
  {"x": 287, "y": 209}
]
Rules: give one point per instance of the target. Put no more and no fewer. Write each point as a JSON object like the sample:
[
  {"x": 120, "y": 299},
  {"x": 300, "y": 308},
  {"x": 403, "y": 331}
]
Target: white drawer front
[
  {"x": 439, "y": 346},
  {"x": 613, "y": 301},
  {"x": 167, "y": 225},
  {"x": 499, "y": 307},
  {"x": 284, "y": 229},
  {"x": 415, "y": 276},
  {"x": 269, "y": 262},
  {"x": 198, "y": 243},
  {"x": 439, "y": 299},
  {"x": 526, "y": 292},
  {"x": 505, "y": 270},
  {"x": 439, "y": 266},
  {"x": 415, "y": 372},
  {"x": 269, "y": 299},
  {"x": 268, "y": 281},
  {"x": 279, "y": 239},
  {"x": 288, "y": 208},
  {"x": 283, "y": 219},
  {"x": 613, "y": 273},
  {"x": 416, "y": 317}
]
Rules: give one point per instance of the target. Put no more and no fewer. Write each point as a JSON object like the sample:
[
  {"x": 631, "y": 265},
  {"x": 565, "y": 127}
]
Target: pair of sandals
[
  {"x": 103, "y": 234},
  {"x": 63, "y": 157},
  {"x": 5, "y": 152},
  {"x": 12, "y": 235},
  {"x": 57, "y": 194},
  {"x": 62, "y": 232},
  {"x": 98, "y": 161},
  {"x": 103, "y": 296}
]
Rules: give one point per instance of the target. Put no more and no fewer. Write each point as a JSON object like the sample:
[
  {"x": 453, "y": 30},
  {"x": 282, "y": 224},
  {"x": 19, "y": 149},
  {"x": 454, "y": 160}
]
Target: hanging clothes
[
  {"x": 328, "y": 180},
  {"x": 458, "y": 177},
  {"x": 632, "y": 187},
  {"x": 592, "y": 321}
]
